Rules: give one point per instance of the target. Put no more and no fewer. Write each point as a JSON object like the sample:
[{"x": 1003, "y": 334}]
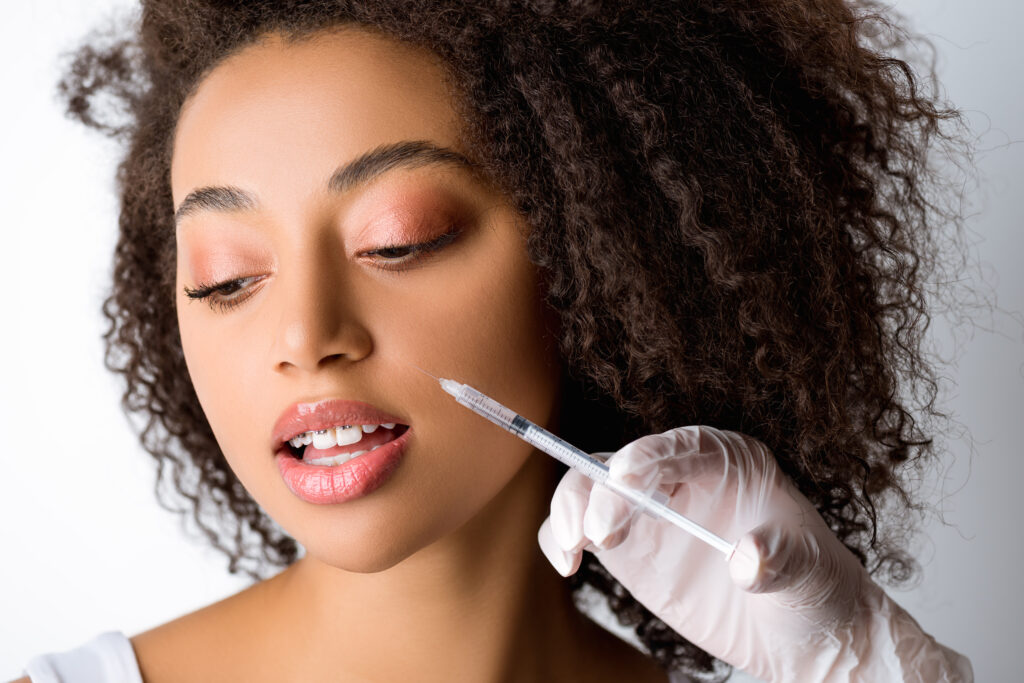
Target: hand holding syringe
[
  {"x": 652, "y": 503},
  {"x": 790, "y": 580}
]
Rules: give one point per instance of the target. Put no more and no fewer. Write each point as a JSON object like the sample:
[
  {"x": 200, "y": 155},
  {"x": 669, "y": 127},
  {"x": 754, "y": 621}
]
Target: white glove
[{"x": 792, "y": 604}]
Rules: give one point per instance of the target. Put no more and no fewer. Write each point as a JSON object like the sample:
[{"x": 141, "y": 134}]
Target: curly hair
[{"x": 733, "y": 206}]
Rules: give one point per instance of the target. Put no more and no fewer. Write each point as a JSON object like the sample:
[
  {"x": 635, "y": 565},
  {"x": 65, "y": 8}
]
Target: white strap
[{"x": 107, "y": 658}]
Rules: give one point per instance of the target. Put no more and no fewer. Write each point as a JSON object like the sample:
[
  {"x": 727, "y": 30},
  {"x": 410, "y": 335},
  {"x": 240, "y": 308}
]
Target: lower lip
[{"x": 353, "y": 479}]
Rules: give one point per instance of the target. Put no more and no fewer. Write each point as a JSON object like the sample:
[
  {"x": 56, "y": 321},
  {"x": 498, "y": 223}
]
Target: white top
[{"x": 107, "y": 658}]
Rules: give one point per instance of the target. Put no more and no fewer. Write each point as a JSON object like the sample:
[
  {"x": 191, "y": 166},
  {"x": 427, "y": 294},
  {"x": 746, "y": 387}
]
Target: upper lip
[{"x": 307, "y": 417}]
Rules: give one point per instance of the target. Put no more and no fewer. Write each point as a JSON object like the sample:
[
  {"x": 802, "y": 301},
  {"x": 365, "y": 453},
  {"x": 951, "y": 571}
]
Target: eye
[
  {"x": 222, "y": 295},
  {"x": 230, "y": 293},
  {"x": 401, "y": 256}
]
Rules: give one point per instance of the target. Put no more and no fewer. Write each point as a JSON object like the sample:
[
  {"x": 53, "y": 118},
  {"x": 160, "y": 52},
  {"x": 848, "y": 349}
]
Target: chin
[
  {"x": 367, "y": 551},
  {"x": 359, "y": 556}
]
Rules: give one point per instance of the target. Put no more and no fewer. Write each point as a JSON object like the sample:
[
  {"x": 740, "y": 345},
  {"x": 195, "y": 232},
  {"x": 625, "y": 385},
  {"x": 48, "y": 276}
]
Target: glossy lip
[
  {"x": 306, "y": 417},
  {"x": 359, "y": 476}
]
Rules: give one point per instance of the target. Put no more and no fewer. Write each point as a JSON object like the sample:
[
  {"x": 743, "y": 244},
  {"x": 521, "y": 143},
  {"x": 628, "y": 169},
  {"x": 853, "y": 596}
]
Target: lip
[
  {"x": 306, "y": 417},
  {"x": 357, "y": 477}
]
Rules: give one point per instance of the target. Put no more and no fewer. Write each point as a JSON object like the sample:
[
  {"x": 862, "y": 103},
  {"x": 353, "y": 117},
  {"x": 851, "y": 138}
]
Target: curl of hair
[{"x": 732, "y": 204}]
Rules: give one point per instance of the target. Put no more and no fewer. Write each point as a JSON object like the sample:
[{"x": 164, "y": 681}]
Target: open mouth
[{"x": 337, "y": 445}]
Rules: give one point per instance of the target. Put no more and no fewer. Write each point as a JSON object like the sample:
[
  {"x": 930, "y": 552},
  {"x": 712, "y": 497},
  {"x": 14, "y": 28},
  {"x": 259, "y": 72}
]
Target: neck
[{"x": 481, "y": 604}]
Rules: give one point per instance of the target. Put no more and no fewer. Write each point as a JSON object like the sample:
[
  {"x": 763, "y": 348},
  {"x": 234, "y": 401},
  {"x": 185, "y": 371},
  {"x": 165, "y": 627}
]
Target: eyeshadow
[
  {"x": 412, "y": 216},
  {"x": 211, "y": 255}
]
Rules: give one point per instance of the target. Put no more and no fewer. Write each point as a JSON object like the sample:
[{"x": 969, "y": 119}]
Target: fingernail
[
  {"x": 563, "y": 564},
  {"x": 605, "y": 517},
  {"x": 563, "y": 530},
  {"x": 561, "y": 560},
  {"x": 596, "y": 530}
]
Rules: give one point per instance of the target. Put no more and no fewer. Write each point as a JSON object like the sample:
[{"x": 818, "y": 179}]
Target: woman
[{"x": 622, "y": 221}]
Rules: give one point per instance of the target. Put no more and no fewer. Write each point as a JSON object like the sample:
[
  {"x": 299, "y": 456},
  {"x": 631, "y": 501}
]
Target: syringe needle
[{"x": 425, "y": 372}]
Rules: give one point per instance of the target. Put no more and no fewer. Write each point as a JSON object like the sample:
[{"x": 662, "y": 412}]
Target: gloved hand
[{"x": 791, "y": 604}]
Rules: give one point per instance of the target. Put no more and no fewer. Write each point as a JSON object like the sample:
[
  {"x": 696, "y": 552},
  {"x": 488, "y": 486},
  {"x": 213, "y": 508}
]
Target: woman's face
[{"x": 329, "y": 308}]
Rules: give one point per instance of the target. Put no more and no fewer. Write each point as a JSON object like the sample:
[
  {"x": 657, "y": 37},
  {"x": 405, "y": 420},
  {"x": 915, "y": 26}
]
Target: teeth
[
  {"x": 339, "y": 459},
  {"x": 324, "y": 439},
  {"x": 348, "y": 435},
  {"x": 344, "y": 435}
]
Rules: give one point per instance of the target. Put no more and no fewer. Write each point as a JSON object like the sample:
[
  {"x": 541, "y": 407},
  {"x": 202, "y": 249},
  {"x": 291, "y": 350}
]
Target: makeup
[
  {"x": 335, "y": 450},
  {"x": 326, "y": 485}
]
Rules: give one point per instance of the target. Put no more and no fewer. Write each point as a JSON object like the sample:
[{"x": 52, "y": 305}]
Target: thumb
[
  {"x": 773, "y": 558},
  {"x": 817, "y": 577}
]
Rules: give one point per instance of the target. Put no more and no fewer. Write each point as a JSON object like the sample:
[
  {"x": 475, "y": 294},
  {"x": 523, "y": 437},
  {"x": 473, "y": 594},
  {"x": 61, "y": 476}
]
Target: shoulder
[
  {"x": 159, "y": 651},
  {"x": 216, "y": 642}
]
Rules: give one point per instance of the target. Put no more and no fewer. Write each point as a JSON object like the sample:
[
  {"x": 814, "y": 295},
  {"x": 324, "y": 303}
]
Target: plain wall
[{"x": 85, "y": 548}]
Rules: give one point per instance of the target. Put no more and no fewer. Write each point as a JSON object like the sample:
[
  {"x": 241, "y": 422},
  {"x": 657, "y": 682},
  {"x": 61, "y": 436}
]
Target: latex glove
[{"x": 792, "y": 604}]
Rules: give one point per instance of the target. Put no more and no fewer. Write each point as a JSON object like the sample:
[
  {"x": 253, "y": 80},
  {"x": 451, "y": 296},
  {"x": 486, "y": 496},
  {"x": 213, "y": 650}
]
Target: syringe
[{"x": 651, "y": 503}]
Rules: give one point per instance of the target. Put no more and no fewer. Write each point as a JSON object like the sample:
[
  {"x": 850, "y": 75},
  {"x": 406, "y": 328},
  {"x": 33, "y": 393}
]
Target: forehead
[{"x": 283, "y": 113}]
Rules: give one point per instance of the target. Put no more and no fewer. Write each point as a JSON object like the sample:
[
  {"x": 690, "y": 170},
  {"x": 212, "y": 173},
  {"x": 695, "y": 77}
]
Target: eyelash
[{"x": 215, "y": 292}]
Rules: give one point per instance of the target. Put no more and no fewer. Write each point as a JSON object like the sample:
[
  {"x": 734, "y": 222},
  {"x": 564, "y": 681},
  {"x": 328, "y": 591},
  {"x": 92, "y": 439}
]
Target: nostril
[{"x": 327, "y": 360}]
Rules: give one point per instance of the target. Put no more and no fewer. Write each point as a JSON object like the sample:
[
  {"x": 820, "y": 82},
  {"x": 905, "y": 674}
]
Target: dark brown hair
[{"x": 732, "y": 203}]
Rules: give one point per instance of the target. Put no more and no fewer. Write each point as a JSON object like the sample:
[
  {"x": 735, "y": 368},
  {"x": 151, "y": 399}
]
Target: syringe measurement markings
[{"x": 565, "y": 453}]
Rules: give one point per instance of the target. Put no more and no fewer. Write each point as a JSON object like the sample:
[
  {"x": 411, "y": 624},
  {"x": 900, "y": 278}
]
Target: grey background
[{"x": 86, "y": 548}]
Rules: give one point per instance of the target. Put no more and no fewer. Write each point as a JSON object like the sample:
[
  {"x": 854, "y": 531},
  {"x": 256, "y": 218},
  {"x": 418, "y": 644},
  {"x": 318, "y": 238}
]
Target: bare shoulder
[
  {"x": 26, "y": 679},
  {"x": 215, "y": 642}
]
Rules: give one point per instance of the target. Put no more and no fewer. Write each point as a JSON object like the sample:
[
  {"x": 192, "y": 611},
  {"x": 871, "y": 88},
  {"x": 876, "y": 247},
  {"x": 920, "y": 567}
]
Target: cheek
[
  {"x": 214, "y": 342},
  {"x": 484, "y": 326},
  {"x": 220, "y": 370},
  {"x": 201, "y": 358}
]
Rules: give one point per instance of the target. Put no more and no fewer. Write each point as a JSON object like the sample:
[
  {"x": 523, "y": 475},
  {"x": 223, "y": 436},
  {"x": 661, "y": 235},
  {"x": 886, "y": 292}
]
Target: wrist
[{"x": 880, "y": 642}]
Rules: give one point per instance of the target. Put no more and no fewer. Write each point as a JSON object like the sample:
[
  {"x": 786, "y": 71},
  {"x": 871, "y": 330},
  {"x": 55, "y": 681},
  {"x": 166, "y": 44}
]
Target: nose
[{"x": 318, "y": 320}]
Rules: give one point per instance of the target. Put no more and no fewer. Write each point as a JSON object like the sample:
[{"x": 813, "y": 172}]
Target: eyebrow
[{"x": 359, "y": 171}]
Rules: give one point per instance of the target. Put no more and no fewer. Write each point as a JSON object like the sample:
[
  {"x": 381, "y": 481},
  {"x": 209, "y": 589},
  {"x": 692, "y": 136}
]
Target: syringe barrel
[
  {"x": 565, "y": 452},
  {"x": 539, "y": 437},
  {"x": 487, "y": 407}
]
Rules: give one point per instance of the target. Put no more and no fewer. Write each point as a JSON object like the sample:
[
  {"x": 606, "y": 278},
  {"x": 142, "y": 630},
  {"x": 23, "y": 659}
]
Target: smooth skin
[{"x": 436, "y": 575}]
